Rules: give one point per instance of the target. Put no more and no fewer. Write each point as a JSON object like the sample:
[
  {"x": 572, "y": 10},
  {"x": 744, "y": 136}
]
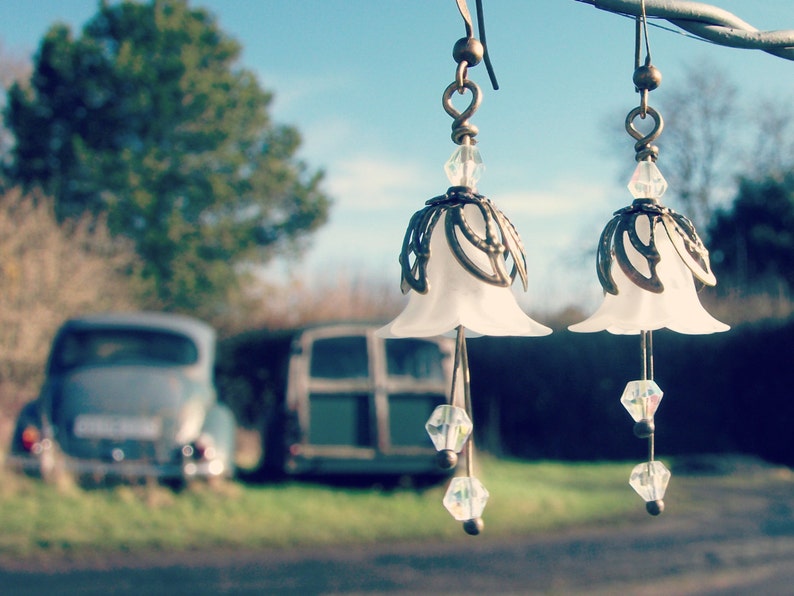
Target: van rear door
[
  {"x": 415, "y": 381},
  {"x": 361, "y": 402}
]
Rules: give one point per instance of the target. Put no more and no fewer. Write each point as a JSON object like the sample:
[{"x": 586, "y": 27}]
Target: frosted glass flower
[
  {"x": 454, "y": 296},
  {"x": 665, "y": 295}
]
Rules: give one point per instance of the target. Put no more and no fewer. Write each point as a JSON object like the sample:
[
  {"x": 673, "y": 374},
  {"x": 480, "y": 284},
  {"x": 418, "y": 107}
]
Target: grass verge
[{"x": 41, "y": 520}]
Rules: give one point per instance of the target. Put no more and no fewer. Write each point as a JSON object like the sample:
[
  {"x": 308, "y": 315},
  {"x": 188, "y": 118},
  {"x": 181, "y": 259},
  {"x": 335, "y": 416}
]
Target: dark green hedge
[{"x": 558, "y": 397}]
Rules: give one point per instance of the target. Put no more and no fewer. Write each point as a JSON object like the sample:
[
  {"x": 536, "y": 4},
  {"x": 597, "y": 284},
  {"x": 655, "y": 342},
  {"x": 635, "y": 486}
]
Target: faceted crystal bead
[
  {"x": 465, "y": 498},
  {"x": 641, "y": 399},
  {"x": 449, "y": 427},
  {"x": 465, "y": 167},
  {"x": 650, "y": 480},
  {"x": 647, "y": 181}
]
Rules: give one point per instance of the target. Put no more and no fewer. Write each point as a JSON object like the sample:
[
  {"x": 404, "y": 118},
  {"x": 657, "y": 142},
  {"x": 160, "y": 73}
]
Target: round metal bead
[
  {"x": 654, "y": 507},
  {"x": 447, "y": 459},
  {"x": 469, "y": 50},
  {"x": 647, "y": 77},
  {"x": 473, "y": 526},
  {"x": 644, "y": 429}
]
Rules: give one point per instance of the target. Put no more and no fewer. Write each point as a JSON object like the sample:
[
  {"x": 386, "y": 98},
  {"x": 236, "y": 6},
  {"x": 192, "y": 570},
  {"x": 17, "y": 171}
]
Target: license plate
[{"x": 93, "y": 426}]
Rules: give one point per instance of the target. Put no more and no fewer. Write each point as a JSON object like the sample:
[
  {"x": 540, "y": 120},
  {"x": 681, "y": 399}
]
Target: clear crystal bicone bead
[
  {"x": 641, "y": 399},
  {"x": 465, "y": 167},
  {"x": 650, "y": 480},
  {"x": 647, "y": 181},
  {"x": 465, "y": 498},
  {"x": 449, "y": 427}
]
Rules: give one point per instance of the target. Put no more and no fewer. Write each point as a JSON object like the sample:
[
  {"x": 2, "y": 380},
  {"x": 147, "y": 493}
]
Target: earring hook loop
[{"x": 644, "y": 148}]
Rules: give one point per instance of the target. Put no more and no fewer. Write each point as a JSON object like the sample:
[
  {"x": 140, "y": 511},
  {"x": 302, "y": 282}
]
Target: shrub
[{"x": 49, "y": 272}]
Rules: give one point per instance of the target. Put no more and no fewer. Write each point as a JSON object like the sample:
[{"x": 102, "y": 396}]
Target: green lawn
[{"x": 39, "y": 519}]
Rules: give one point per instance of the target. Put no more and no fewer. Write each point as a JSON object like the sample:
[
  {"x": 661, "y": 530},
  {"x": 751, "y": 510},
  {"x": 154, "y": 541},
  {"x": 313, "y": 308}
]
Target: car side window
[{"x": 340, "y": 358}]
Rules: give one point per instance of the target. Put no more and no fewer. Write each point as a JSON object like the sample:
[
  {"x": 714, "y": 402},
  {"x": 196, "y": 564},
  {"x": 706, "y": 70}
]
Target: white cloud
[
  {"x": 322, "y": 139},
  {"x": 564, "y": 198},
  {"x": 378, "y": 183},
  {"x": 294, "y": 92}
]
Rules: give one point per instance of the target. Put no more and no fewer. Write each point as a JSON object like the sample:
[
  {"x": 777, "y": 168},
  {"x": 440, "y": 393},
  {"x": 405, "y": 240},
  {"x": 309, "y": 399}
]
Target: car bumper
[
  {"x": 322, "y": 460},
  {"x": 44, "y": 463}
]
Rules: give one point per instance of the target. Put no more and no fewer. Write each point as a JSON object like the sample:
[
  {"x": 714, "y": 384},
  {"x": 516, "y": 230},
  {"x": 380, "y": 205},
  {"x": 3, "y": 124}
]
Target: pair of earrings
[{"x": 461, "y": 255}]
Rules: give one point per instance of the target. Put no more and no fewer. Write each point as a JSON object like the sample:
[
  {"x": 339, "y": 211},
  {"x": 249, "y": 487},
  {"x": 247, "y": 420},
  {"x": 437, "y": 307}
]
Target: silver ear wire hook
[
  {"x": 464, "y": 12},
  {"x": 486, "y": 55}
]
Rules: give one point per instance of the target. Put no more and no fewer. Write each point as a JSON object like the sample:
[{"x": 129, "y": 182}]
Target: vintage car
[
  {"x": 128, "y": 395},
  {"x": 338, "y": 401}
]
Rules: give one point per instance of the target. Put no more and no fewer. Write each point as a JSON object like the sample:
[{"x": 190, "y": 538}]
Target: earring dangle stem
[
  {"x": 646, "y": 348},
  {"x": 456, "y": 368},
  {"x": 467, "y": 402}
]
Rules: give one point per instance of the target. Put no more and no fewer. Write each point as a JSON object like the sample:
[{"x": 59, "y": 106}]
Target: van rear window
[
  {"x": 415, "y": 358},
  {"x": 340, "y": 358}
]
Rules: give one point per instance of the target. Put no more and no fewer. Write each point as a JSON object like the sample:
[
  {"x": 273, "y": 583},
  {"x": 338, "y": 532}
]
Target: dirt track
[{"x": 736, "y": 538}]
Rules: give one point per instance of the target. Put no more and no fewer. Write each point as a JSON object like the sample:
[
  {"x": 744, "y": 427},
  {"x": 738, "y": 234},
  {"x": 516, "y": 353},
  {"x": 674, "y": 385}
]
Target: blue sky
[{"x": 362, "y": 80}]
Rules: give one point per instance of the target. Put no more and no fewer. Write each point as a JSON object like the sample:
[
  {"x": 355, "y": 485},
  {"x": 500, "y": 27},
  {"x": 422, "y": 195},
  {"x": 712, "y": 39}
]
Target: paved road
[{"x": 737, "y": 539}]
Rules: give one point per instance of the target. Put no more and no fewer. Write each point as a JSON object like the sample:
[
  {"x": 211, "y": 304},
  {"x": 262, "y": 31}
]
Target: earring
[
  {"x": 459, "y": 259},
  {"x": 648, "y": 259}
]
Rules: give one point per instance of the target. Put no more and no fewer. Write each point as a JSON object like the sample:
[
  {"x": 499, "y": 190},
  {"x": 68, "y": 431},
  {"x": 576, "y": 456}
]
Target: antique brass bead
[
  {"x": 469, "y": 50},
  {"x": 447, "y": 459},
  {"x": 654, "y": 507},
  {"x": 647, "y": 77},
  {"x": 644, "y": 429},
  {"x": 473, "y": 526}
]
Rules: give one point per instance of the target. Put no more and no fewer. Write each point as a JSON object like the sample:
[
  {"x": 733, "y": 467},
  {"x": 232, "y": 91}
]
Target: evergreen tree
[
  {"x": 145, "y": 117},
  {"x": 753, "y": 242}
]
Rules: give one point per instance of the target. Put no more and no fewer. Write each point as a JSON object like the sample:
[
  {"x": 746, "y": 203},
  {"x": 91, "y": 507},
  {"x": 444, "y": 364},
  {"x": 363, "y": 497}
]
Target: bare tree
[
  {"x": 49, "y": 272},
  {"x": 701, "y": 117},
  {"x": 772, "y": 153}
]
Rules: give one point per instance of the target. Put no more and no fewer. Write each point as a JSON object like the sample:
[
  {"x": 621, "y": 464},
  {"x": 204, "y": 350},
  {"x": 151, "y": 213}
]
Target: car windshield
[{"x": 113, "y": 346}]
